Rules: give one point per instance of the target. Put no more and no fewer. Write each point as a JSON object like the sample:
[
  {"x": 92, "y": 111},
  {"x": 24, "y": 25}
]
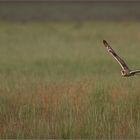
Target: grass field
[{"x": 57, "y": 80}]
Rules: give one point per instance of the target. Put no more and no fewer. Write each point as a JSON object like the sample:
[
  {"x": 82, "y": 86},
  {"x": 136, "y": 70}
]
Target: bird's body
[{"x": 126, "y": 72}]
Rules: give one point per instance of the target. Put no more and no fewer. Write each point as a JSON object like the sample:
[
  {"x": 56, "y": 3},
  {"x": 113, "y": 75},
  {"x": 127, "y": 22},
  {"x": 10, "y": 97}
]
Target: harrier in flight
[{"x": 126, "y": 72}]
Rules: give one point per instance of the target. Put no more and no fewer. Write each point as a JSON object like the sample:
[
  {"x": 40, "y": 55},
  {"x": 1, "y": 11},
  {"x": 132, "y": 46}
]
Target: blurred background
[{"x": 66, "y": 10}]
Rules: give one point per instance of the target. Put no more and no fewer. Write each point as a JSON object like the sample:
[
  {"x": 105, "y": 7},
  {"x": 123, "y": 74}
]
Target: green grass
[{"x": 58, "y": 81}]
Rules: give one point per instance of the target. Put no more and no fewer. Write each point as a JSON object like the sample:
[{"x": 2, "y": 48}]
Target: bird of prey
[{"x": 126, "y": 72}]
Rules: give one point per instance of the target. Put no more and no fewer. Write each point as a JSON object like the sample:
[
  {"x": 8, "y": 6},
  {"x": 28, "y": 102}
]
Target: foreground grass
[{"x": 56, "y": 81}]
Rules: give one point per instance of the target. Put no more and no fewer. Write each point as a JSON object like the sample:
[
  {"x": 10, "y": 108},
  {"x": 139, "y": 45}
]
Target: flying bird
[{"x": 126, "y": 72}]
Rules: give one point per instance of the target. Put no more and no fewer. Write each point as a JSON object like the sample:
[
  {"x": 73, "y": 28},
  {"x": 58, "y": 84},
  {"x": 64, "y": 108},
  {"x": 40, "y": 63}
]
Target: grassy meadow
[{"x": 58, "y": 81}]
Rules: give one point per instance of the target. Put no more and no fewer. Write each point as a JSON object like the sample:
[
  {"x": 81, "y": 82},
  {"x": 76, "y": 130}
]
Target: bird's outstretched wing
[
  {"x": 137, "y": 72},
  {"x": 119, "y": 60}
]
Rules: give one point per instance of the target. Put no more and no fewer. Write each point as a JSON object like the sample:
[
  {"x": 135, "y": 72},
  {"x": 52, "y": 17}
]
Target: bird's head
[{"x": 123, "y": 73}]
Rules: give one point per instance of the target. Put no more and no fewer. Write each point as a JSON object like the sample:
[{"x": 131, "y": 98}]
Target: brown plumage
[{"x": 126, "y": 72}]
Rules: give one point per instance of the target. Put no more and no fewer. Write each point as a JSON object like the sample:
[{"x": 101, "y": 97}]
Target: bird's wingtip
[{"x": 104, "y": 42}]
